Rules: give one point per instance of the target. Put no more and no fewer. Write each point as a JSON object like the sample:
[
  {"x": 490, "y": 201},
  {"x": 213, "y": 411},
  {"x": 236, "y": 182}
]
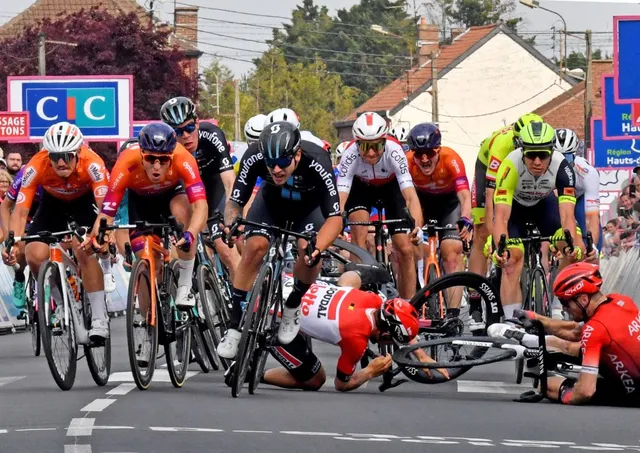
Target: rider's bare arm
[
  {"x": 199, "y": 210},
  {"x": 231, "y": 211},
  {"x": 567, "y": 330},
  {"x": 5, "y": 215},
  {"x": 413, "y": 203},
  {"x": 464, "y": 196}
]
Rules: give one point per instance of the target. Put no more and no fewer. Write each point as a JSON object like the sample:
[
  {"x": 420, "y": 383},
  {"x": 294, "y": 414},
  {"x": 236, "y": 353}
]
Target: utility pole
[
  {"x": 236, "y": 115},
  {"x": 588, "y": 92},
  {"x": 42, "y": 55},
  {"x": 435, "y": 117},
  {"x": 217, "y": 96}
]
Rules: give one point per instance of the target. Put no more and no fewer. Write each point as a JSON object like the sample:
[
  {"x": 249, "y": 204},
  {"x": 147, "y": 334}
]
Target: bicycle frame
[{"x": 148, "y": 254}]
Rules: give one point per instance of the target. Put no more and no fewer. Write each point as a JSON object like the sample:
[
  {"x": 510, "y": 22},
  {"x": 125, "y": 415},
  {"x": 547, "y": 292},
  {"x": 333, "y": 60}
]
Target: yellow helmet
[
  {"x": 524, "y": 120},
  {"x": 537, "y": 135}
]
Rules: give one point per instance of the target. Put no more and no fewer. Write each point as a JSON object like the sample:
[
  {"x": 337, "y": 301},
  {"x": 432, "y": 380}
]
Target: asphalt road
[{"x": 474, "y": 413}]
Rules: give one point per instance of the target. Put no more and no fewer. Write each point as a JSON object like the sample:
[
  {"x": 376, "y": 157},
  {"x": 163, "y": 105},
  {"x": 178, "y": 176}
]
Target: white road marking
[
  {"x": 249, "y": 431},
  {"x": 367, "y": 439},
  {"x": 554, "y": 442},
  {"x": 98, "y": 405},
  {"x": 481, "y": 444},
  {"x": 81, "y": 427},
  {"x": 490, "y": 387},
  {"x": 3, "y": 431},
  {"x": 379, "y": 436},
  {"x": 22, "y": 430},
  {"x": 107, "y": 427},
  {"x": 580, "y": 447},
  {"x": 431, "y": 441},
  {"x": 175, "y": 429},
  {"x": 528, "y": 445},
  {"x": 310, "y": 433},
  {"x": 158, "y": 376},
  {"x": 122, "y": 389},
  {"x": 77, "y": 449},
  {"x": 10, "y": 379}
]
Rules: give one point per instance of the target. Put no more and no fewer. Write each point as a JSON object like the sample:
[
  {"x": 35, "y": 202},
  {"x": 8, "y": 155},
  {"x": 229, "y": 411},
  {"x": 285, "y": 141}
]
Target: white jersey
[
  {"x": 587, "y": 184},
  {"x": 392, "y": 165},
  {"x": 309, "y": 137}
]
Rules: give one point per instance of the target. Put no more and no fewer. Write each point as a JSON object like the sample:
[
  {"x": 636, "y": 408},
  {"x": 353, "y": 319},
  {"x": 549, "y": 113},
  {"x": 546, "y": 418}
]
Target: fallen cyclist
[{"x": 608, "y": 343}]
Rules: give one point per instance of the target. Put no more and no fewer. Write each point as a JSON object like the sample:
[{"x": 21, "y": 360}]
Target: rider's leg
[
  {"x": 307, "y": 373},
  {"x": 19, "y": 294},
  {"x": 451, "y": 253},
  {"x": 350, "y": 279},
  {"x": 359, "y": 233},
  {"x": 510, "y": 292},
  {"x": 181, "y": 209},
  {"x": 478, "y": 265},
  {"x": 35, "y": 254},
  {"x": 407, "y": 269},
  {"x": 93, "y": 282},
  {"x": 281, "y": 377}
]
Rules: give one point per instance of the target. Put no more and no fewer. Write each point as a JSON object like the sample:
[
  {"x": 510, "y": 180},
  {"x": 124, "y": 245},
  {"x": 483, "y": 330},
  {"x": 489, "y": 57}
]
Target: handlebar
[
  {"x": 589, "y": 242},
  {"x": 47, "y": 236},
  {"x": 172, "y": 227}
]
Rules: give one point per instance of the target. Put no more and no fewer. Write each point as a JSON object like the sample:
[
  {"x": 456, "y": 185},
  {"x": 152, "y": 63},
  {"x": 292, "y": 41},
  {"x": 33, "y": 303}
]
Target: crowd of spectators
[{"x": 623, "y": 232}]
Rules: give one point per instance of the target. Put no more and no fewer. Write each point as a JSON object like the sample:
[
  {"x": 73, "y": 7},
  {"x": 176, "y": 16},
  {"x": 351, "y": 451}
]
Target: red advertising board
[{"x": 14, "y": 126}]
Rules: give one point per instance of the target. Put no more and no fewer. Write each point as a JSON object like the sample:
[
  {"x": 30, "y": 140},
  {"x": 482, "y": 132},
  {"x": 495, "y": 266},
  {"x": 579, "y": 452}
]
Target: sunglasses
[
  {"x": 282, "y": 162},
  {"x": 189, "y": 128},
  {"x": 66, "y": 157},
  {"x": 152, "y": 158},
  {"x": 376, "y": 146},
  {"x": 430, "y": 153},
  {"x": 542, "y": 155}
]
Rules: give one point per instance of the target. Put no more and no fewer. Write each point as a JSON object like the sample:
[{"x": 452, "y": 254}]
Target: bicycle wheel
[
  {"x": 142, "y": 337},
  {"x": 197, "y": 349},
  {"x": 436, "y": 308},
  {"x": 213, "y": 310},
  {"x": 540, "y": 294},
  {"x": 58, "y": 336},
  {"x": 32, "y": 315},
  {"x": 457, "y": 353},
  {"x": 177, "y": 352},
  {"x": 252, "y": 321},
  {"x": 98, "y": 354}
]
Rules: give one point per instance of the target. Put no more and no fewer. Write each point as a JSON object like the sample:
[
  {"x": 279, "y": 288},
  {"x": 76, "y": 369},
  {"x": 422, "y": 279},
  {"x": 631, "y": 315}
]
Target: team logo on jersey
[
  {"x": 21, "y": 198},
  {"x": 502, "y": 192},
  {"x": 96, "y": 172},
  {"x": 100, "y": 192},
  {"x": 505, "y": 174},
  {"x": 28, "y": 176},
  {"x": 569, "y": 191},
  {"x": 494, "y": 164}
]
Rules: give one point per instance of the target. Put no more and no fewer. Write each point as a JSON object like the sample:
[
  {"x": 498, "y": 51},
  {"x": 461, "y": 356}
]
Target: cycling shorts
[
  {"x": 581, "y": 220},
  {"x": 297, "y": 358},
  {"x": 364, "y": 196},
  {"x": 54, "y": 214},
  {"x": 155, "y": 208},
  {"x": 545, "y": 215},
  {"x": 443, "y": 208},
  {"x": 305, "y": 220},
  {"x": 610, "y": 392},
  {"x": 478, "y": 193}
]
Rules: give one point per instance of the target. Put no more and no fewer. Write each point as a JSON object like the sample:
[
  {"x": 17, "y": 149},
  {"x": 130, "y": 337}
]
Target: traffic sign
[
  {"x": 612, "y": 153},
  {"x": 617, "y": 118},
  {"x": 101, "y": 106},
  {"x": 626, "y": 58},
  {"x": 14, "y": 125}
]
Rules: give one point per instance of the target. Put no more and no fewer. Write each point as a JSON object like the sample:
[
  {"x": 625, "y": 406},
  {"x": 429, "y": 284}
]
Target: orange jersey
[
  {"x": 128, "y": 173},
  {"x": 448, "y": 177},
  {"x": 89, "y": 174}
]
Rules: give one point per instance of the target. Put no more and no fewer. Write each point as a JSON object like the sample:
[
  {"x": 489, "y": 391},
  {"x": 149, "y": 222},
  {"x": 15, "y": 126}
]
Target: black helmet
[
  {"x": 279, "y": 139},
  {"x": 177, "y": 110}
]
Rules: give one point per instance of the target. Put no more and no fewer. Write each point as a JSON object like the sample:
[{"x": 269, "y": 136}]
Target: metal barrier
[{"x": 620, "y": 273}]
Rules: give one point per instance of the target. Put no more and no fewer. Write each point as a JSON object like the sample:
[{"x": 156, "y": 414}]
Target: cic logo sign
[{"x": 100, "y": 106}]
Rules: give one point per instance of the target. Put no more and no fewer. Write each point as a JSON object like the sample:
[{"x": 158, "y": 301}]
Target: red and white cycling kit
[{"x": 337, "y": 315}]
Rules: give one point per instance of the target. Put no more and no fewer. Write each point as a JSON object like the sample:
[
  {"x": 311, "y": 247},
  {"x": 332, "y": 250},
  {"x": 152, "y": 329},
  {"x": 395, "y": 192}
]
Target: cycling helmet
[
  {"x": 157, "y": 138},
  {"x": 369, "y": 126},
  {"x": 178, "y": 110},
  {"x": 253, "y": 127},
  {"x": 424, "y": 136},
  {"x": 283, "y": 114},
  {"x": 537, "y": 135},
  {"x": 127, "y": 144},
  {"x": 399, "y": 319},
  {"x": 566, "y": 141},
  {"x": 280, "y": 139},
  {"x": 400, "y": 133},
  {"x": 63, "y": 137},
  {"x": 578, "y": 278},
  {"x": 341, "y": 148},
  {"x": 524, "y": 120}
]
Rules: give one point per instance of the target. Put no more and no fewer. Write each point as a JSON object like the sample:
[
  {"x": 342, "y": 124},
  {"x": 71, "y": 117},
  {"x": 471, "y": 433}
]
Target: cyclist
[
  {"x": 374, "y": 168},
  {"x": 340, "y": 149},
  {"x": 299, "y": 186},
  {"x": 348, "y": 318},
  {"x": 253, "y": 127},
  {"x": 74, "y": 182},
  {"x": 492, "y": 152},
  {"x": 288, "y": 115},
  {"x": 209, "y": 146},
  {"x": 605, "y": 332},
  {"x": 524, "y": 194},
  {"x": 440, "y": 179},
  {"x": 156, "y": 174},
  {"x": 401, "y": 133}
]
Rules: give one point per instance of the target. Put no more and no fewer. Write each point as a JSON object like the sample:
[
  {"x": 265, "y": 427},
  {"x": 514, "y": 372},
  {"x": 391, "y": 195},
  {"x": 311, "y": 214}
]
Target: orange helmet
[
  {"x": 400, "y": 319},
  {"x": 578, "y": 278}
]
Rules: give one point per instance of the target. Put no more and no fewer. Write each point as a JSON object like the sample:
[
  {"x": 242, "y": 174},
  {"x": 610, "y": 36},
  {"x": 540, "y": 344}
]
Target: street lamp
[{"x": 533, "y": 4}]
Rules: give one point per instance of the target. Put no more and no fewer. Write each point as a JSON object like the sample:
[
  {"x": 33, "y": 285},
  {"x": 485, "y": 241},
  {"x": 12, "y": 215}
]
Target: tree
[
  {"x": 472, "y": 13},
  {"x": 107, "y": 44},
  {"x": 578, "y": 60}
]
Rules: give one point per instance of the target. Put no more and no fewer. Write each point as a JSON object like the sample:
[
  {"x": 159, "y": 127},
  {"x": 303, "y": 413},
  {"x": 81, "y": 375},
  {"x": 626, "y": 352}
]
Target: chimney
[
  {"x": 428, "y": 40},
  {"x": 455, "y": 32},
  {"x": 186, "y": 23}
]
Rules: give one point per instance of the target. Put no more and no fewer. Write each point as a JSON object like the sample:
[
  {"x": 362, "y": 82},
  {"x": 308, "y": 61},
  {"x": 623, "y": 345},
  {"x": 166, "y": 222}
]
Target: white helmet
[
  {"x": 283, "y": 114},
  {"x": 253, "y": 127},
  {"x": 369, "y": 126},
  {"x": 341, "y": 148},
  {"x": 400, "y": 133},
  {"x": 566, "y": 141},
  {"x": 63, "y": 138}
]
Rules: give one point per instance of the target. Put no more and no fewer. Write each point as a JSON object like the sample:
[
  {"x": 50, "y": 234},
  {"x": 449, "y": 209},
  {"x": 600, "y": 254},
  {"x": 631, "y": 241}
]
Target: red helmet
[
  {"x": 400, "y": 319},
  {"x": 578, "y": 278}
]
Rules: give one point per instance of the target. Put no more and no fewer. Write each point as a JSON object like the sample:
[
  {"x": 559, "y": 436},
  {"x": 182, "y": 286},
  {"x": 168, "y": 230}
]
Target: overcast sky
[{"x": 597, "y": 16}]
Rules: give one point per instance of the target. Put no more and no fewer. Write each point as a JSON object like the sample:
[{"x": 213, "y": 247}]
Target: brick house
[{"x": 185, "y": 37}]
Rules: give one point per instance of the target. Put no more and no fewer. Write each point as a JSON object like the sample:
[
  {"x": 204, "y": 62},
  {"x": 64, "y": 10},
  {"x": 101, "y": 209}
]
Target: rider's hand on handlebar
[
  {"x": 379, "y": 365},
  {"x": 500, "y": 260},
  {"x": 416, "y": 236},
  {"x": 466, "y": 233},
  {"x": 592, "y": 257},
  {"x": 9, "y": 255},
  {"x": 524, "y": 316},
  {"x": 186, "y": 241},
  {"x": 313, "y": 259}
]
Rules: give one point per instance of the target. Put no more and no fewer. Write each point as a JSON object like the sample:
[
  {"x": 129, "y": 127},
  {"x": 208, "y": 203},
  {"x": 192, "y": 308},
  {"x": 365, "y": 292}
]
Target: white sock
[
  {"x": 98, "y": 306},
  {"x": 105, "y": 264},
  {"x": 421, "y": 272},
  {"x": 509, "y": 309},
  {"x": 186, "y": 272}
]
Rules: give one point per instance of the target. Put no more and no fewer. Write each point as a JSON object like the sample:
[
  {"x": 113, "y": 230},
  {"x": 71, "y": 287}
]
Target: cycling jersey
[
  {"x": 213, "y": 158},
  {"x": 392, "y": 166},
  {"x": 309, "y": 137},
  {"x": 516, "y": 183},
  {"x": 128, "y": 173},
  {"x": 14, "y": 189},
  {"x": 496, "y": 148},
  {"x": 89, "y": 175},
  {"x": 587, "y": 184},
  {"x": 448, "y": 177},
  {"x": 312, "y": 183},
  {"x": 611, "y": 341}
]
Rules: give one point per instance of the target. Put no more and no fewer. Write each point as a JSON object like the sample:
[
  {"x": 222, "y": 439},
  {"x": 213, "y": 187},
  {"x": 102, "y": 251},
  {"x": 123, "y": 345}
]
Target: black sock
[
  {"x": 453, "y": 312},
  {"x": 238, "y": 299},
  {"x": 19, "y": 276},
  {"x": 294, "y": 299}
]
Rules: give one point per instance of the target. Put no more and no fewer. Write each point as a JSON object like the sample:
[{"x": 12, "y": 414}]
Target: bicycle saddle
[{"x": 370, "y": 272}]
